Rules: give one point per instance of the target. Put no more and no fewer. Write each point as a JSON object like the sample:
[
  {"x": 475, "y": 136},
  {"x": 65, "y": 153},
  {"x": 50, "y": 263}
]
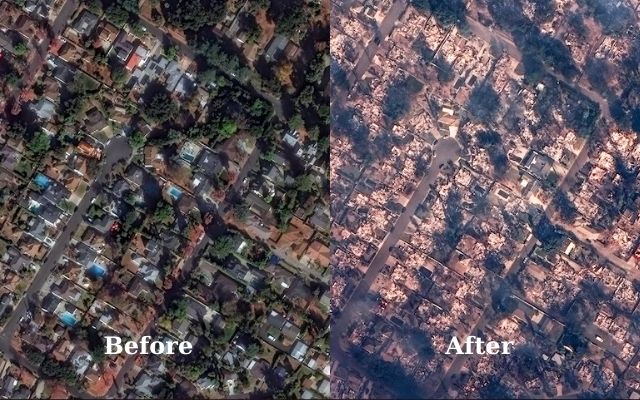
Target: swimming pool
[
  {"x": 42, "y": 180},
  {"x": 68, "y": 319},
  {"x": 96, "y": 271},
  {"x": 174, "y": 192}
]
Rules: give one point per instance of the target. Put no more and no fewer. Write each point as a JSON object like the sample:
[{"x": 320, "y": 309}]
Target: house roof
[
  {"x": 85, "y": 23},
  {"x": 44, "y": 109},
  {"x": 133, "y": 62}
]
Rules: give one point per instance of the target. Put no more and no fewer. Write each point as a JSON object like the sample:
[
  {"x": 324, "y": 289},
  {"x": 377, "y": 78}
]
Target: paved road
[
  {"x": 117, "y": 149},
  {"x": 489, "y": 35},
  {"x": 446, "y": 150},
  {"x": 66, "y": 11},
  {"x": 119, "y": 387},
  {"x": 384, "y": 29},
  {"x": 580, "y": 160}
]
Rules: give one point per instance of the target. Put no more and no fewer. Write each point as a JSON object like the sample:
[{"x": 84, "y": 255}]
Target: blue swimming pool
[
  {"x": 42, "y": 180},
  {"x": 96, "y": 271},
  {"x": 175, "y": 193},
  {"x": 68, "y": 319}
]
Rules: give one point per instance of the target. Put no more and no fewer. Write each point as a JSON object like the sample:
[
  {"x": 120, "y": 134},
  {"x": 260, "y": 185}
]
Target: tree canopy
[
  {"x": 161, "y": 108},
  {"x": 121, "y": 12},
  {"x": 450, "y": 12},
  {"x": 194, "y": 14}
]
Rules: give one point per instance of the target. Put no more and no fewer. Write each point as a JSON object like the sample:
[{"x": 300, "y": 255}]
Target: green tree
[
  {"x": 20, "y": 49},
  {"x": 171, "y": 52},
  {"x": 95, "y": 6},
  {"x": 222, "y": 247},
  {"x": 227, "y": 129},
  {"x": 117, "y": 15},
  {"x": 483, "y": 103},
  {"x": 122, "y": 12},
  {"x": 118, "y": 75},
  {"x": 161, "y": 108},
  {"x": 450, "y": 12},
  {"x": 292, "y": 21},
  {"x": 178, "y": 310},
  {"x": 164, "y": 214},
  {"x": 39, "y": 145},
  {"x": 296, "y": 122},
  {"x": 194, "y": 14},
  {"x": 304, "y": 183},
  {"x": 137, "y": 140},
  {"x": 305, "y": 98}
]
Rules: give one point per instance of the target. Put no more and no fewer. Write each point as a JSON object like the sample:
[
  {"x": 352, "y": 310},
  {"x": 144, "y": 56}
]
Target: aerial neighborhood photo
[
  {"x": 484, "y": 161},
  {"x": 164, "y": 195},
  {"x": 319, "y": 199}
]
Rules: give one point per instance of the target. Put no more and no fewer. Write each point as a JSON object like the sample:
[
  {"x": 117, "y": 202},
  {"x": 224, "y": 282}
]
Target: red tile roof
[{"x": 133, "y": 62}]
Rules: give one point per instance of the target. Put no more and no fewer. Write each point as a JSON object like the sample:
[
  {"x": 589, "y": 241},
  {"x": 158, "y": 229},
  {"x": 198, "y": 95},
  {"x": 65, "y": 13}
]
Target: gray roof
[
  {"x": 210, "y": 164},
  {"x": 184, "y": 86},
  {"x": 278, "y": 43},
  {"x": 149, "y": 272},
  {"x": 56, "y": 193},
  {"x": 44, "y": 109},
  {"x": 85, "y": 23}
]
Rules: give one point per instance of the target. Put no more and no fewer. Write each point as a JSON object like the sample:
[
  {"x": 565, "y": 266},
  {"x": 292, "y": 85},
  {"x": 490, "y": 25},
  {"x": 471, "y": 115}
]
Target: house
[
  {"x": 206, "y": 383},
  {"x": 299, "y": 350},
  {"x": 317, "y": 253},
  {"x": 95, "y": 121},
  {"x": 210, "y": 164},
  {"x": 276, "y": 47},
  {"x": 44, "y": 109},
  {"x": 279, "y": 331},
  {"x": 7, "y": 42},
  {"x": 106, "y": 36},
  {"x": 257, "y": 205},
  {"x": 259, "y": 369},
  {"x": 15, "y": 260},
  {"x": 147, "y": 385},
  {"x": 293, "y": 242},
  {"x": 71, "y": 53},
  {"x": 222, "y": 290},
  {"x": 41, "y": 8},
  {"x": 320, "y": 219},
  {"x": 49, "y": 213},
  {"x": 184, "y": 87},
  {"x": 135, "y": 175},
  {"x": 51, "y": 89},
  {"x": 123, "y": 48},
  {"x": 62, "y": 71},
  {"x": 149, "y": 272},
  {"x": 538, "y": 165},
  {"x": 56, "y": 193},
  {"x": 133, "y": 62},
  {"x": 81, "y": 361},
  {"x": 85, "y": 23},
  {"x": 5, "y": 301},
  {"x": 88, "y": 150}
]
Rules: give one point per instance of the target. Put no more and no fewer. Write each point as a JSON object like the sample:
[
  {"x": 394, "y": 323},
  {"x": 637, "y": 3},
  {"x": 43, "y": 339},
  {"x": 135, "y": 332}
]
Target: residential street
[
  {"x": 117, "y": 149},
  {"x": 67, "y": 10},
  {"x": 118, "y": 388},
  {"x": 385, "y": 28},
  {"x": 489, "y": 35},
  {"x": 445, "y": 150}
]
